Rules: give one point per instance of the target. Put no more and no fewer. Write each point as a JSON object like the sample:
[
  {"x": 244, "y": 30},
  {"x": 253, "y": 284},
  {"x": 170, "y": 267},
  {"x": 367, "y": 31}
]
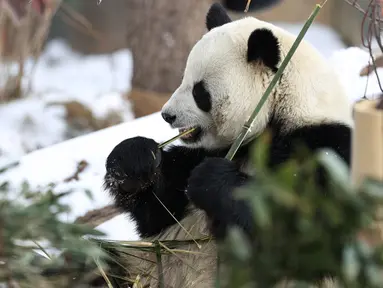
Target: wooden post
[
  {"x": 367, "y": 142},
  {"x": 367, "y": 156}
]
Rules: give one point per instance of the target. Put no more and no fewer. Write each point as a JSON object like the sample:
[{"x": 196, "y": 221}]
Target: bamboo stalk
[
  {"x": 175, "y": 138},
  {"x": 246, "y": 128}
]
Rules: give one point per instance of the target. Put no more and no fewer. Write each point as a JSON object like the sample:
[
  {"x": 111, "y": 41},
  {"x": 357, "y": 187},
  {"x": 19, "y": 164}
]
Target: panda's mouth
[{"x": 193, "y": 136}]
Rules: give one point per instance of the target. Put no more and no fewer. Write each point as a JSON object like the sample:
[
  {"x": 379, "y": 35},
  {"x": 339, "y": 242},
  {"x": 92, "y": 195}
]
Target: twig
[
  {"x": 246, "y": 128},
  {"x": 171, "y": 251},
  {"x": 96, "y": 217},
  {"x": 78, "y": 21},
  {"x": 103, "y": 273},
  {"x": 9, "y": 166},
  {"x": 182, "y": 227},
  {"x": 380, "y": 103},
  {"x": 361, "y": 10},
  {"x": 80, "y": 168},
  {"x": 159, "y": 266},
  {"x": 372, "y": 10},
  {"x": 369, "y": 68}
]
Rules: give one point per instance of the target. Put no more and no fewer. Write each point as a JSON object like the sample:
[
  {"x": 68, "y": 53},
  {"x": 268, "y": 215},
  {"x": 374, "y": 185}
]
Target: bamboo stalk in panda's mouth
[{"x": 176, "y": 137}]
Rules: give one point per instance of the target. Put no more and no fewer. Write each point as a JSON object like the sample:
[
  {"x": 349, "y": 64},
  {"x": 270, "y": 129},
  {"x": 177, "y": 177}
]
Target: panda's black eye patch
[{"x": 202, "y": 97}]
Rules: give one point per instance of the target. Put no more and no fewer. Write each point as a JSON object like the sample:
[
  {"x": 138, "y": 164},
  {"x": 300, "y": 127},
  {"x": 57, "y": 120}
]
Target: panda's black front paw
[
  {"x": 132, "y": 164},
  {"x": 211, "y": 183}
]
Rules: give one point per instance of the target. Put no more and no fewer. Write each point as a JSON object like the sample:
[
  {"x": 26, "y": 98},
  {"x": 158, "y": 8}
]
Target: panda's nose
[{"x": 168, "y": 118}]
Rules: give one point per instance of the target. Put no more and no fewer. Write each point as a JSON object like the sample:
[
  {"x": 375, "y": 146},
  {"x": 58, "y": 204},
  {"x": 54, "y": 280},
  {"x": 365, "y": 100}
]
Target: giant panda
[{"x": 226, "y": 73}]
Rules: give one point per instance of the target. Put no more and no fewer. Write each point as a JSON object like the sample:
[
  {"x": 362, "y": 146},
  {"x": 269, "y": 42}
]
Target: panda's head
[{"x": 229, "y": 69}]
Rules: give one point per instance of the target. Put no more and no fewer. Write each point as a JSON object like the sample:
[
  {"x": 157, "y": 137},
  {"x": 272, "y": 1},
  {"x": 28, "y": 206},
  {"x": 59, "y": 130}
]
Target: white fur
[{"x": 310, "y": 91}]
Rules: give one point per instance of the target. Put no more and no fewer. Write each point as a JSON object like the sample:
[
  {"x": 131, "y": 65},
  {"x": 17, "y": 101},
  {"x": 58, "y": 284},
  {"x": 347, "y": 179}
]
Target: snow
[
  {"x": 55, "y": 163},
  {"x": 98, "y": 82},
  {"x": 322, "y": 37},
  {"x": 349, "y": 62},
  {"x": 61, "y": 75}
]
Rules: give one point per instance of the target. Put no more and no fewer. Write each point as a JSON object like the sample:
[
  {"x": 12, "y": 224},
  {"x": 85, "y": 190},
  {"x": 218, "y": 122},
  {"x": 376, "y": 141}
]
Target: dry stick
[
  {"x": 247, "y": 127},
  {"x": 161, "y": 282},
  {"x": 171, "y": 214}
]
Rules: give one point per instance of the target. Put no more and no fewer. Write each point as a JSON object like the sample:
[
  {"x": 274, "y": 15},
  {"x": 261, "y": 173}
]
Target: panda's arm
[
  {"x": 150, "y": 199},
  {"x": 211, "y": 188},
  {"x": 167, "y": 193}
]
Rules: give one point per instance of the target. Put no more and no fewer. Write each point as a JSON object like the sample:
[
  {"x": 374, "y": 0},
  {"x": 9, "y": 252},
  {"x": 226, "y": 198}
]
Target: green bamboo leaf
[
  {"x": 351, "y": 266},
  {"x": 337, "y": 168},
  {"x": 260, "y": 210},
  {"x": 240, "y": 245}
]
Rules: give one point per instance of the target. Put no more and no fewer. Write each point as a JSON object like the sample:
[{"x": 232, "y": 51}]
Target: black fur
[
  {"x": 210, "y": 188},
  {"x": 264, "y": 46},
  {"x": 208, "y": 179},
  {"x": 216, "y": 16},
  {"x": 202, "y": 97},
  {"x": 334, "y": 136},
  {"x": 135, "y": 194}
]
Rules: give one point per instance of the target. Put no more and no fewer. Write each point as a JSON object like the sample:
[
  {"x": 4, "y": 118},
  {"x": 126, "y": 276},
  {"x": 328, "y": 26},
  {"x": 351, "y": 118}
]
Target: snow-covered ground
[
  {"x": 58, "y": 162},
  {"x": 91, "y": 80},
  {"x": 97, "y": 82}
]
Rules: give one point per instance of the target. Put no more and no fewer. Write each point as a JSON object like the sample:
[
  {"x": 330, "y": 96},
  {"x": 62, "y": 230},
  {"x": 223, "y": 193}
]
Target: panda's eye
[{"x": 202, "y": 97}]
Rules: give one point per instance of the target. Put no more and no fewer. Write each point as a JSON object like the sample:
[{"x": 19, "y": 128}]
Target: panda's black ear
[
  {"x": 216, "y": 16},
  {"x": 264, "y": 46}
]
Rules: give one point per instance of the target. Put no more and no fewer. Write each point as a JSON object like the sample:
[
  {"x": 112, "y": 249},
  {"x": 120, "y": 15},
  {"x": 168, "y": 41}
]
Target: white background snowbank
[
  {"x": 91, "y": 80},
  {"x": 322, "y": 37},
  {"x": 97, "y": 82},
  {"x": 349, "y": 62},
  {"x": 56, "y": 163}
]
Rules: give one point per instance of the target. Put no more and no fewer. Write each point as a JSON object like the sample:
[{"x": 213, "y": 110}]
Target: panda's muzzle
[
  {"x": 169, "y": 117},
  {"x": 193, "y": 136}
]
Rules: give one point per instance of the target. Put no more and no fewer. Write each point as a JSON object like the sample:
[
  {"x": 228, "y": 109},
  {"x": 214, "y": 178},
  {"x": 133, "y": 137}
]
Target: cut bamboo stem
[{"x": 175, "y": 138}]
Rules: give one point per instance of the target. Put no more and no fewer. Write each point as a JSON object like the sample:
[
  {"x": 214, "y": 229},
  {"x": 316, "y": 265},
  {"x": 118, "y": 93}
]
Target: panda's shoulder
[{"x": 332, "y": 135}]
